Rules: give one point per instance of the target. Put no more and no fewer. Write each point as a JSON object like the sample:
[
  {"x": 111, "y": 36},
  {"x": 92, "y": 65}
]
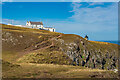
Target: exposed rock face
[{"x": 90, "y": 54}]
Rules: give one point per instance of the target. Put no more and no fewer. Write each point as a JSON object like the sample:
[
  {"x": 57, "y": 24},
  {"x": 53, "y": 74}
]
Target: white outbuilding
[{"x": 49, "y": 29}]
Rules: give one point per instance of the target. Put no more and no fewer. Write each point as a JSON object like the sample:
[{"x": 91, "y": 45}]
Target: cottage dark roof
[{"x": 36, "y": 23}]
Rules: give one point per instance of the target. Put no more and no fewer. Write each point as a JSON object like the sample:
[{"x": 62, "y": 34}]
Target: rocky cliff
[{"x": 40, "y": 46}]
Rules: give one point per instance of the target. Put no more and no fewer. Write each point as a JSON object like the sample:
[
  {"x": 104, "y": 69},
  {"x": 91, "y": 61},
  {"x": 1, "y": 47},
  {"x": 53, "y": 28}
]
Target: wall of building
[
  {"x": 28, "y": 24},
  {"x": 51, "y": 29}
]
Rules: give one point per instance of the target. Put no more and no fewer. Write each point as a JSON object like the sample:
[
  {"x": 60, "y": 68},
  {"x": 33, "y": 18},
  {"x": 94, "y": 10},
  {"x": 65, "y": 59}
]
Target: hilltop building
[
  {"x": 36, "y": 25},
  {"x": 49, "y": 29},
  {"x": 9, "y": 24},
  {"x": 39, "y": 25}
]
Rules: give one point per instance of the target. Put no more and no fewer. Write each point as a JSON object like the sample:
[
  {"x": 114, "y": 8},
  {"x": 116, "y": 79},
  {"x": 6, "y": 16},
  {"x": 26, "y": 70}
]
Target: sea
[{"x": 114, "y": 42}]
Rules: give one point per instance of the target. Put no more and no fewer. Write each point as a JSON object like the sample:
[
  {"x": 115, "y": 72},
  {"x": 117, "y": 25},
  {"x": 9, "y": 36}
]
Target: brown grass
[
  {"x": 29, "y": 70},
  {"x": 42, "y": 63}
]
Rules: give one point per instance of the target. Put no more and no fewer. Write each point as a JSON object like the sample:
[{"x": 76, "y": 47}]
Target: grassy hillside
[
  {"x": 17, "y": 39},
  {"x": 30, "y": 70},
  {"x": 29, "y": 48}
]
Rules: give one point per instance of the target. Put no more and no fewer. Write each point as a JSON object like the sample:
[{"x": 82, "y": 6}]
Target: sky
[
  {"x": 59, "y": 0},
  {"x": 98, "y": 20}
]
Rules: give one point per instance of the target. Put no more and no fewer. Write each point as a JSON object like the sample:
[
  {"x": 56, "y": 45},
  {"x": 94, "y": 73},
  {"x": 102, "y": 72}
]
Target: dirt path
[
  {"x": 31, "y": 49},
  {"x": 46, "y": 41}
]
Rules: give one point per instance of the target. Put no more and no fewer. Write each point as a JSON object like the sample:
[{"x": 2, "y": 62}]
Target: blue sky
[
  {"x": 60, "y": 0},
  {"x": 96, "y": 19}
]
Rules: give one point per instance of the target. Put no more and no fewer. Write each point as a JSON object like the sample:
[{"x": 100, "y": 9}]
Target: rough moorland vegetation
[{"x": 24, "y": 45}]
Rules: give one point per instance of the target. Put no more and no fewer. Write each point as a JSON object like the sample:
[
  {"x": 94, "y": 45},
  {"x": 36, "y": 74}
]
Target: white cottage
[
  {"x": 36, "y": 25},
  {"x": 39, "y": 25}
]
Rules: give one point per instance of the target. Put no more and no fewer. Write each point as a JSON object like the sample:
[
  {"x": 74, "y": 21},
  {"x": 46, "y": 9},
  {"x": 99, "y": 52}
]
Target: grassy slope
[
  {"x": 19, "y": 47},
  {"x": 17, "y": 39},
  {"x": 29, "y": 70}
]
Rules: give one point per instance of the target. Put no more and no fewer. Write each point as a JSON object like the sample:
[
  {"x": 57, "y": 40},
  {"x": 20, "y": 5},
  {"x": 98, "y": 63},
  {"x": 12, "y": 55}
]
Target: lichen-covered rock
[{"x": 92, "y": 54}]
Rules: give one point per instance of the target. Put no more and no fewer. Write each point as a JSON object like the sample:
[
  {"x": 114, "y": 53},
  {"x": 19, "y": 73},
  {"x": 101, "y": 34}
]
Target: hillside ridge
[{"x": 25, "y": 45}]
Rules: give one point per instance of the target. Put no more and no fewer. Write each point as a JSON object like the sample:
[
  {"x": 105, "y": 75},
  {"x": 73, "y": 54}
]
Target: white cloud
[
  {"x": 96, "y": 14},
  {"x": 95, "y": 21},
  {"x": 94, "y": 31},
  {"x": 1, "y": 1},
  {"x": 6, "y": 0},
  {"x": 95, "y": 0},
  {"x": 11, "y": 21},
  {"x": 96, "y": 3}
]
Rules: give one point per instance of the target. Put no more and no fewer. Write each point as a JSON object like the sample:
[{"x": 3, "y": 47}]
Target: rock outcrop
[
  {"x": 80, "y": 51},
  {"x": 88, "y": 53}
]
